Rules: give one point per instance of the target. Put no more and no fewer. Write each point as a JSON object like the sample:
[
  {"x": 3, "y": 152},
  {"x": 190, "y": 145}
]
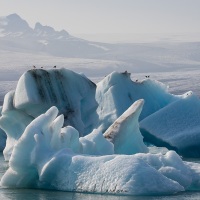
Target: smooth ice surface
[
  {"x": 124, "y": 133},
  {"x": 178, "y": 125},
  {"x": 116, "y": 92},
  {"x": 73, "y": 94},
  {"x": 39, "y": 160}
]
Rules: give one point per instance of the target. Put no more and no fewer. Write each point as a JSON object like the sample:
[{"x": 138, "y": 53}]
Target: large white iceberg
[
  {"x": 74, "y": 96},
  {"x": 43, "y": 158},
  {"x": 75, "y": 148}
]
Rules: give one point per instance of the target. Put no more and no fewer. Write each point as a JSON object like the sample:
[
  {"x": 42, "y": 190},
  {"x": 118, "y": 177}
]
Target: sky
[{"x": 104, "y": 17}]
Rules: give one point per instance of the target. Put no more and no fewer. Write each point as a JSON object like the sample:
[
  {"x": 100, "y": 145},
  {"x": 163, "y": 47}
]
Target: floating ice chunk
[
  {"x": 40, "y": 160},
  {"x": 37, "y": 90},
  {"x": 124, "y": 133},
  {"x": 176, "y": 126},
  {"x": 74, "y": 96},
  {"x": 137, "y": 174},
  {"x": 117, "y": 92}
]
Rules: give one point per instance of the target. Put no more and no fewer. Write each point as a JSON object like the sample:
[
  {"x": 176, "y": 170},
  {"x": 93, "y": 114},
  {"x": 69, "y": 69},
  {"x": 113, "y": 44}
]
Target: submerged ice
[{"x": 66, "y": 133}]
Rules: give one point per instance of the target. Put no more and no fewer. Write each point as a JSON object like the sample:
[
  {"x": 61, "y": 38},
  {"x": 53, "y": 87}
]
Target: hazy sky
[{"x": 109, "y": 16}]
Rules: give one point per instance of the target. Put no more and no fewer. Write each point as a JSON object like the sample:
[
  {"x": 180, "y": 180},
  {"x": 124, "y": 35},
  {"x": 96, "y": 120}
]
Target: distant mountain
[
  {"x": 14, "y": 26},
  {"x": 17, "y": 35}
]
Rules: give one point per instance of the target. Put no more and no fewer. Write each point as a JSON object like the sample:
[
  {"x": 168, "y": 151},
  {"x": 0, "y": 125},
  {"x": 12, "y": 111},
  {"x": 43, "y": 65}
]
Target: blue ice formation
[
  {"x": 177, "y": 125},
  {"x": 124, "y": 133},
  {"x": 117, "y": 92},
  {"x": 44, "y": 158},
  {"x": 168, "y": 120},
  {"x": 66, "y": 133},
  {"x": 86, "y": 107},
  {"x": 38, "y": 90}
]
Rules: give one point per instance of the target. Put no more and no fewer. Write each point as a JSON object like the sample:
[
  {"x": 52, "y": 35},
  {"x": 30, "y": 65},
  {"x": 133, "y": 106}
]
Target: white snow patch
[
  {"x": 99, "y": 46},
  {"x": 60, "y": 37},
  {"x": 45, "y": 42}
]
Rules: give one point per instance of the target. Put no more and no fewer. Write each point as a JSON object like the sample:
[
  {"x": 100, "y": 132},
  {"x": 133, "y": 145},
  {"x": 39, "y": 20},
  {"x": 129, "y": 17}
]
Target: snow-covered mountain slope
[
  {"x": 14, "y": 26},
  {"x": 17, "y": 35}
]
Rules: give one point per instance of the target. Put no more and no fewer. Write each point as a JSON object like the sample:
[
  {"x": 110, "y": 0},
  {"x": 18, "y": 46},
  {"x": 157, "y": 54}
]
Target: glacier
[{"x": 65, "y": 132}]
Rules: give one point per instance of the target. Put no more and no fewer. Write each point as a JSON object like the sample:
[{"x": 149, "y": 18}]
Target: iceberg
[
  {"x": 73, "y": 94},
  {"x": 43, "y": 158},
  {"x": 176, "y": 126},
  {"x": 117, "y": 92},
  {"x": 166, "y": 120},
  {"x": 38, "y": 90},
  {"x": 65, "y": 133}
]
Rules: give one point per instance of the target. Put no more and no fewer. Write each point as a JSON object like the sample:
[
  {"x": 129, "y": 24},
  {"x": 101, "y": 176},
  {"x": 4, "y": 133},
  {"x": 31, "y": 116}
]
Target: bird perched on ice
[
  {"x": 126, "y": 73},
  {"x": 34, "y": 66},
  {"x": 54, "y": 66}
]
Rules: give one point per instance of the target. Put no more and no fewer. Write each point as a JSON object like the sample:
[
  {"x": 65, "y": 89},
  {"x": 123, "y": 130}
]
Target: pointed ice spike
[{"x": 124, "y": 133}]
